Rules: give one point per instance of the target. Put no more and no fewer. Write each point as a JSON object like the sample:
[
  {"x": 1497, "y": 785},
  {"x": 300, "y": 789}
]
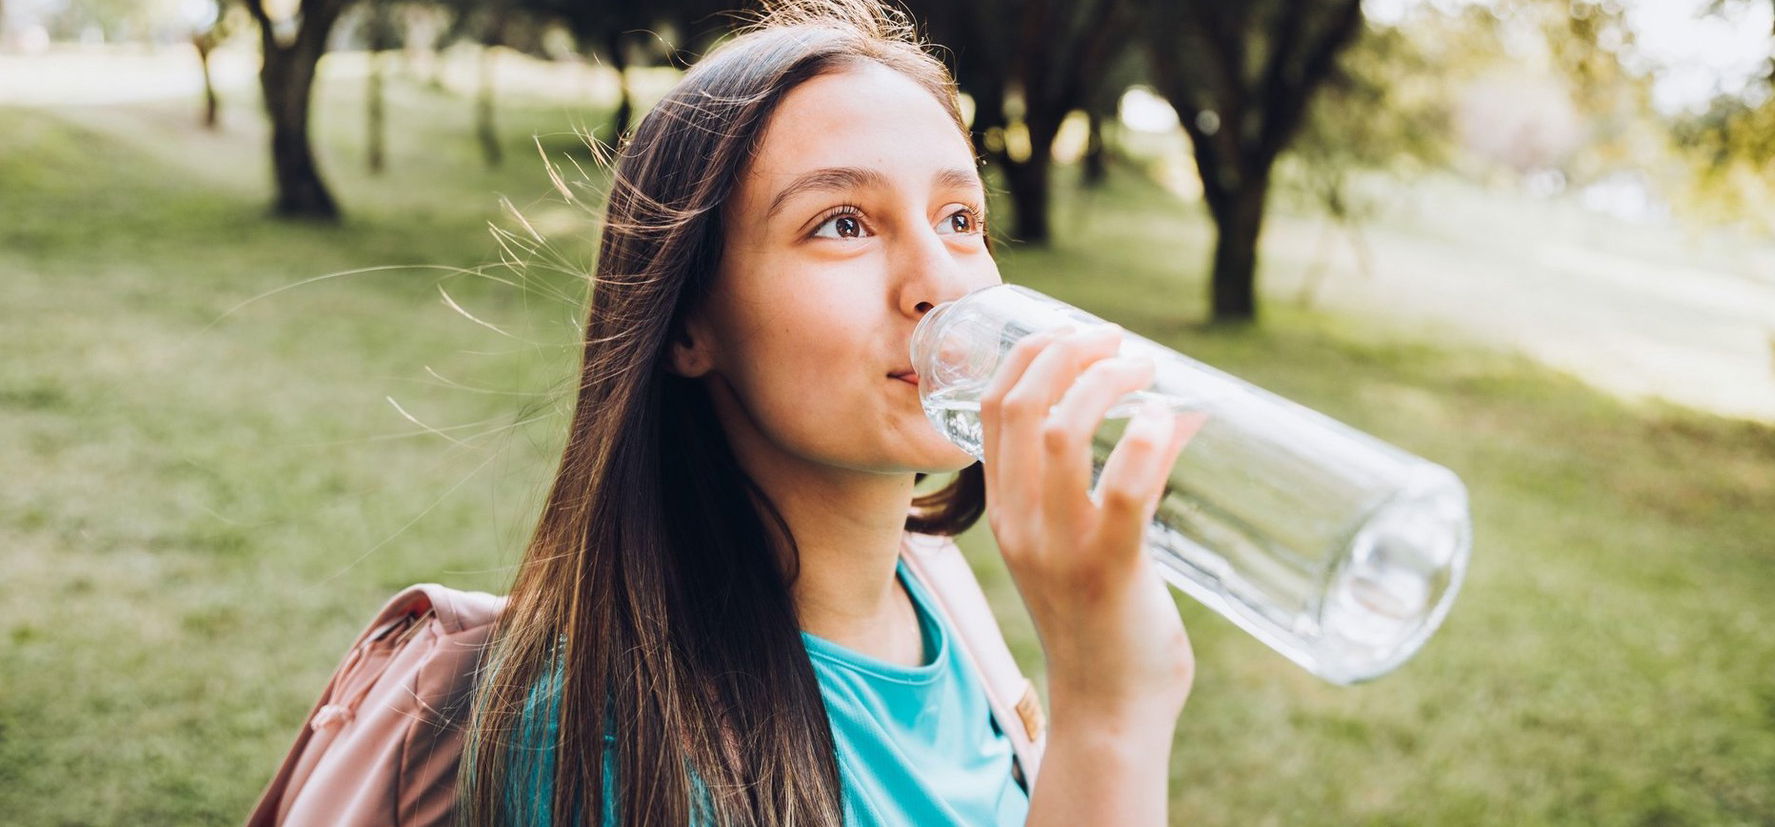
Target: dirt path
[{"x": 1635, "y": 325}]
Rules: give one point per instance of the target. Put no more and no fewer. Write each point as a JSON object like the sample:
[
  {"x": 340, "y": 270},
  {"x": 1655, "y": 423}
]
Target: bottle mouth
[{"x": 925, "y": 336}]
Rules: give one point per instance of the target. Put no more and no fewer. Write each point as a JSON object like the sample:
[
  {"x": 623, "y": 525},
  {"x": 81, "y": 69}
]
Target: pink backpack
[{"x": 382, "y": 744}]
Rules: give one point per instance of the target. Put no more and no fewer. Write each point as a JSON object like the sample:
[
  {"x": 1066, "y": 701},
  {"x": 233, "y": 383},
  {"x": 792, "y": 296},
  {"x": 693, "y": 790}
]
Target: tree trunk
[
  {"x": 1028, "y": 182},
  {"x": 1240, "y": 114},
  {"x": 1239, "y": 217},
  {"x": 375, "y": 121},
  {"x": 619, "y": 61},
  {"x": 210, "y": 101},
  {"x": 381, "y": 39},
  {"x": 484, "y": 127},
  {"x": 1096, "y": 168},
  {"x": 287, "y": 80}
]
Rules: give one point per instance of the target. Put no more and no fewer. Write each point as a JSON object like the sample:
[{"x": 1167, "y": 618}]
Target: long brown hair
[{"x": 655, "y": 588}]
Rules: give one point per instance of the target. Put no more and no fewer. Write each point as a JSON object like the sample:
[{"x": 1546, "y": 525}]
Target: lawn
[{"x": 211, "y": 478}]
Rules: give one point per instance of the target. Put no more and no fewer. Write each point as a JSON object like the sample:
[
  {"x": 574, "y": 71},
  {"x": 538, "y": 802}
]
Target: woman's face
[{"x": 860, "y": 211}]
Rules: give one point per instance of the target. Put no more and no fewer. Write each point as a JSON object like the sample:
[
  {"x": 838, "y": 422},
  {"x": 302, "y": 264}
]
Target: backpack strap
[
  {"x": 450, "y": 624},
  {"x": 940, "y": 567}
]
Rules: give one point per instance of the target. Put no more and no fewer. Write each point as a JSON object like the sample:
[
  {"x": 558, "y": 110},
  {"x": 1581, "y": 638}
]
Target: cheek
[
  {"x": 795, "y": 337},
  {"x": 804, "y": 361},
  {"x": 808, "y": 353}
]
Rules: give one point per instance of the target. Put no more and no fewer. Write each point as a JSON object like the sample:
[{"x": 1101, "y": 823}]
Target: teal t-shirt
[{"x": 916, "y": 745}]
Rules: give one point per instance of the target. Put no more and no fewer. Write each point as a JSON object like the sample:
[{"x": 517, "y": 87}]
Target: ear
[{"x": 689, "y": 353}]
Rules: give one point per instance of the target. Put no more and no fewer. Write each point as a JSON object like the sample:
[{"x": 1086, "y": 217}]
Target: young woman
[{"x": 714, "y": 585}]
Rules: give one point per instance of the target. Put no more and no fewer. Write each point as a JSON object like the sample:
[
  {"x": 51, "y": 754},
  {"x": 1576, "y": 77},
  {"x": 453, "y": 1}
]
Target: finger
[
  {"x": 1187, "y": 425},
  {"x": 1027, "y": 404},
  {"x": 1136, "y": 467},
  {"x": 1016, "y": 361},
  {"x": 1067, "y": 436}
]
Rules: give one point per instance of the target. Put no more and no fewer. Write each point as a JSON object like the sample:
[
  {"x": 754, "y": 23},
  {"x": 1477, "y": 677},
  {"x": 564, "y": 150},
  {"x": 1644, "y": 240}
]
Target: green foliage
[
  {"x": 1385, "y": 108},
  {"x": 1730, "y": 150}
]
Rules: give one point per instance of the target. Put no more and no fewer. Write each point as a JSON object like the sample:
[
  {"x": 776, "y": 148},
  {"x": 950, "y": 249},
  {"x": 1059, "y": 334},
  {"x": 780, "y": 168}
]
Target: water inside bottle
[{"x": 1348, "y": 602}]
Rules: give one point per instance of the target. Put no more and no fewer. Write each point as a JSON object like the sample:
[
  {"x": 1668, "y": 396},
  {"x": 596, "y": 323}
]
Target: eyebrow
[
  {"x": 846, "y": 178},
  {"x": 957, "y": 179}
]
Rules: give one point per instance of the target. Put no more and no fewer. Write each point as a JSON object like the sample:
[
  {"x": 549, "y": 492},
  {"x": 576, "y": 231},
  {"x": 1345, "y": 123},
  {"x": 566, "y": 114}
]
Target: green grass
[{"x": 203, "y": 500}]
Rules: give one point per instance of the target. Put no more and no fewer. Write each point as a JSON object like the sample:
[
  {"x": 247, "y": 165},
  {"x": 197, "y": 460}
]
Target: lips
[{"x": 906, "y": 375}]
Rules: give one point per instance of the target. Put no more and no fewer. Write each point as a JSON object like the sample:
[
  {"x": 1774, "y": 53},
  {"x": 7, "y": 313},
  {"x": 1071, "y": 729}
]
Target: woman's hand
[{"x": 1119, "y": 662}]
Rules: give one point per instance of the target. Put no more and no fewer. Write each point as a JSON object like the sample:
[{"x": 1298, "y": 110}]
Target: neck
[
  {"x": 848, "y": 527},
  {"x": 848, "y": 533}
]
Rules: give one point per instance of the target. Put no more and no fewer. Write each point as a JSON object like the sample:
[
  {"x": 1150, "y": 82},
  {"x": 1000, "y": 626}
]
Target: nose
[{"x": 932, "y": 272}]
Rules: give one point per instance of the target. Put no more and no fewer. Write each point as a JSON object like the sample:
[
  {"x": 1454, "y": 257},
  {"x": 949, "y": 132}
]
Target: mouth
[{"x": 906, "y": 375}]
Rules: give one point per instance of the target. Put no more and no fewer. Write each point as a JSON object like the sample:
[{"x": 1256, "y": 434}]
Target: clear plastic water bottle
[{"x": 1336, "y": 549}]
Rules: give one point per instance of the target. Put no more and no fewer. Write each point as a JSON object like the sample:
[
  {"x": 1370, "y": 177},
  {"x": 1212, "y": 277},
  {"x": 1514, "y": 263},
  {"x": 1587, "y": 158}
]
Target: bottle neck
[{"x": 926, "y": 336}]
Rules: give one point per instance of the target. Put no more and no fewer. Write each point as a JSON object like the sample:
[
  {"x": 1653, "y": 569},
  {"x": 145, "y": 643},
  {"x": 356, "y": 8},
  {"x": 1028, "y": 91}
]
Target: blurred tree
[
  {"x": 292, "y": 45},
  {"x": 1587, "y": 41},
  {"x": 615, "y": 41},
  {"x": 624, "y": 36},
  {"x": 1385, "y": 107},
  {"x": 494, "y": 19},
  {"x": 601, "y": 30},
  {"x": 1732, "y": 145},
  {"x": 210, "y": 24},
  {"x": 424, "y": 27},
  {"x": 687, "y": 28},
  {"x": 616, "y": 45},
  {"x": 604, "y": 31},
  {"x": 1126, "y": 69},
  {"x": 485, "y": 23},
  {"x": 1026, "y": 64},
  {"x": 1729, "y": 148},
  {"x": 1241, "y": 76},
  {"x": 379, "y": 38}
]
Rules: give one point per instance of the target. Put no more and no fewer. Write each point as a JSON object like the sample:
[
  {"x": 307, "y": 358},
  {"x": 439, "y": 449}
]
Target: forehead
[{"x": 864, "y": 115}]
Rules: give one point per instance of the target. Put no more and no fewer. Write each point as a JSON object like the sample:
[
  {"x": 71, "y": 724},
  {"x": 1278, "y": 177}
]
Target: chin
[
  {"x": 961, "y": 459},
  {"x": 939, "y": 456},
  {"x": 920, "y": 447}
]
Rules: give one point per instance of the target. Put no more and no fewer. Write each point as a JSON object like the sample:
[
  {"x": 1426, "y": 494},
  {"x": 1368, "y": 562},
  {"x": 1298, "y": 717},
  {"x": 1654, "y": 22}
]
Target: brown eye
[
  {"x": 845, "y": 224},
  {"x": 961, "y": 221}
]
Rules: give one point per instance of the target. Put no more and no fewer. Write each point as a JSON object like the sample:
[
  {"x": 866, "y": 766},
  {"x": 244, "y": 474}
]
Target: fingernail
[
  {"x": 1191, "y": 424},
  {"x": 1133, "y": 364}
]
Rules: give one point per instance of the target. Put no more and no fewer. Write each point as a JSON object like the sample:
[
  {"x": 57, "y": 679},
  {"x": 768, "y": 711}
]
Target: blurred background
[{"x": 289, "y": 298}]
